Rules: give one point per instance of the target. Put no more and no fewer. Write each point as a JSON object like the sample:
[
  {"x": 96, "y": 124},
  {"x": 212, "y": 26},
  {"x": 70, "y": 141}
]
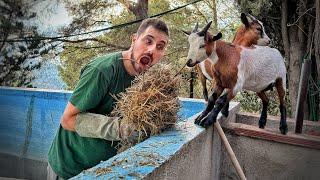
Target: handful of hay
[{"x": 151, "y": 103}]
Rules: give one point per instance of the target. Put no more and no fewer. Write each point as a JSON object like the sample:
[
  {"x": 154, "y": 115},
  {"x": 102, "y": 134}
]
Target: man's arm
[
  {"x": 96, "y": 125},
  {"x": 68, "y": 119}
]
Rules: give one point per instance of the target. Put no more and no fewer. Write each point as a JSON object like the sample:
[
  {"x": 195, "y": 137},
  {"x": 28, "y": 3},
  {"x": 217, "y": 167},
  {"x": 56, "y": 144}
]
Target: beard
[{"x": 144, "y": 60}]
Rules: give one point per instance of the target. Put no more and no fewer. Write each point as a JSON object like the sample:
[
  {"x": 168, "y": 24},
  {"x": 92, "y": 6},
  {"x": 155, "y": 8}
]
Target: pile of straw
[{"x": 151, "y": 103}]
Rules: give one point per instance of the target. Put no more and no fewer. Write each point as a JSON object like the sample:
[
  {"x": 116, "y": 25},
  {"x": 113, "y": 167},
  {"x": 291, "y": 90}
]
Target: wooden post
[
  {"x": 230, "y": 152},
  {"x": 302, "y": 93},
  {"x": 192, "y": 75}
]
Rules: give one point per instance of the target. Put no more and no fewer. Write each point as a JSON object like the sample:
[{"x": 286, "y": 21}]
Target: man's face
[{"x": 148, "y": 48}]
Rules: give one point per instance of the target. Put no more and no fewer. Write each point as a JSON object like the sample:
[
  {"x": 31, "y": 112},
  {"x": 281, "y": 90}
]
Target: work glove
[{"x": 104, "y": 127}]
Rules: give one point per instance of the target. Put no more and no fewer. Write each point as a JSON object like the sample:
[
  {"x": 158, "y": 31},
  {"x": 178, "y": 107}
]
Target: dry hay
[
  {"x": 151, "y": 103},
  {"x": 102, "y": 170}
]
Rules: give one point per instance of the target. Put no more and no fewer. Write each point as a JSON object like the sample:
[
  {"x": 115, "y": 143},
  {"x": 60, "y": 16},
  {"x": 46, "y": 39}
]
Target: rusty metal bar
[{"x": 303, "y": 88}]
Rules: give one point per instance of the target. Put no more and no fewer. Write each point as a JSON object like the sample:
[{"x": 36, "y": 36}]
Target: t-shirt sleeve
[{"x": 90, "y": 89}]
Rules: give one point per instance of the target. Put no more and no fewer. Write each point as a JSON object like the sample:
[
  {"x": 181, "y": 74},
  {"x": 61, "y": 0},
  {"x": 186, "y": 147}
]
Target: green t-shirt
[{"x": 69, "y": 153}]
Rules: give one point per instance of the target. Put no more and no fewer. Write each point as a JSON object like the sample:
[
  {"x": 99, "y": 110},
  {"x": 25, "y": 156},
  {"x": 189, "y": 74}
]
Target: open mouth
[{"x": 145, "y": 60}]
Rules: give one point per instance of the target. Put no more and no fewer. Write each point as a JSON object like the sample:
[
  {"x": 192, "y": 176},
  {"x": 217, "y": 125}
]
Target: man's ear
[{"x": 134, "y": 37}]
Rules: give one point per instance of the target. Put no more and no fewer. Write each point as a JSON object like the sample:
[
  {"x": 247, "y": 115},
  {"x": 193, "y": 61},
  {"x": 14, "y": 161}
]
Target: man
[{"x": 86, "y": 134}]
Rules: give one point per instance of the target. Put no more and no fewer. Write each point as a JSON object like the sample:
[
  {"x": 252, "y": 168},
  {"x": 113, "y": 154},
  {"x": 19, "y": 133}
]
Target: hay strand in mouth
[{"x": 151, "y": 103}]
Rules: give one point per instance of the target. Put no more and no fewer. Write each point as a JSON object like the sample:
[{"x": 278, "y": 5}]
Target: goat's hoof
[
  {"x": 208, "y": 121},
  {"x": 283, "y": 129},
  {"x": 199, "y": 118},
  {"x": 225, "y": 113},
  {"x": 262, "y": 123}
]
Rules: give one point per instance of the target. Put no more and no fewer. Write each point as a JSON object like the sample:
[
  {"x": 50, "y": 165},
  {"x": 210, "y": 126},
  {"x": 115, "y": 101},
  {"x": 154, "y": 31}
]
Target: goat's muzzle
[{"x": 190, "y": 63}]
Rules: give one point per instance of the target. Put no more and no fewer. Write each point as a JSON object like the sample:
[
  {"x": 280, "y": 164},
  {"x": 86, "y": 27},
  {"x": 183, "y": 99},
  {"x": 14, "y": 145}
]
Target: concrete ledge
[
  {"x": 273, "y": 135},
  {"x": 164, "y": 156},
  {"x": 309, "y": 127}
]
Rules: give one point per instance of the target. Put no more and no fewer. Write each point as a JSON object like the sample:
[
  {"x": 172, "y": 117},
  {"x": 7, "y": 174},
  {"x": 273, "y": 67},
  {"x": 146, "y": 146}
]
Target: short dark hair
[{"x": 154, "y": 22}]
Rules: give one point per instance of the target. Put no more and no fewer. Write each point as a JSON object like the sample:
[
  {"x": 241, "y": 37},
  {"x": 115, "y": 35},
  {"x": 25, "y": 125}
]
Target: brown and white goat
[
  {"x": 251, "y": 32},
  {"x": 236, "y": 68}
]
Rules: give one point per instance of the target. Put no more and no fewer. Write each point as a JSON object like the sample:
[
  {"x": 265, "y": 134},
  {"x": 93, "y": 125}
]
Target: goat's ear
[
  {"x": 217, "y": 37},
  {"x": 245, "y": 20},
  {"x": 186, "y": 32}
]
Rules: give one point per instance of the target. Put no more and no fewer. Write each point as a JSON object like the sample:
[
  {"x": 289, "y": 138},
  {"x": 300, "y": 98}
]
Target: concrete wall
[
  {"x": 29, "y": 119},
  {"x": 267, "y": 154},
  {"x": 22, "y": 168},
  {"x": 199, "y": 158},
  {"x": 193, "y": 161},
  {"x": 261, "y": 159}
]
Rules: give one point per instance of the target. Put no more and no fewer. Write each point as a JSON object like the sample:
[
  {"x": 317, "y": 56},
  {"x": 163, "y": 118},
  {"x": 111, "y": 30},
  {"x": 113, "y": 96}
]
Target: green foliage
[
  {"x": 73, "y": 59},
  {"x": 15, "y": 68},
  {"x": 250, "y": 102}
]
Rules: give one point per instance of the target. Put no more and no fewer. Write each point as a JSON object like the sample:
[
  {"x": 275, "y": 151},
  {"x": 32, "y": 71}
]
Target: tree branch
[
  {"x": 301, "y": 12},
  {"x": 93, "y": 39},
  {"x": 294, "y": 23},
  {"x": 284, "y": 31},
  {"x": 127, "y": 4}
]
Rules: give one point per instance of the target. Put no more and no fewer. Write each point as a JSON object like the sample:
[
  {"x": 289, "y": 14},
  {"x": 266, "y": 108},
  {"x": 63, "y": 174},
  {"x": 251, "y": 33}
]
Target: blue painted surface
[
  {"x": 29, "y": 119},
  {"x": 143, "y": 158}
]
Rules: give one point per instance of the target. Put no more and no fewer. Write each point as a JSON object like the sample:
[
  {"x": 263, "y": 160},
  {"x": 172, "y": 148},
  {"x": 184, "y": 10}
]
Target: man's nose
[{"x": 152, "y": 49}]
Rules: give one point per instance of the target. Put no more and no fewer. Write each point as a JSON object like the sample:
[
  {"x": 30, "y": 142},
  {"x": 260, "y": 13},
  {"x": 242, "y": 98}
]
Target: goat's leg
[
  {"x": 225, "y": 110},
  {"x": 212, "y": 116},
  {"x": 203, "y": 81},
  {"x": 265, "y": 103},
  {"x": 211, "y": 101},
  {"x": 281, "y": 94}
]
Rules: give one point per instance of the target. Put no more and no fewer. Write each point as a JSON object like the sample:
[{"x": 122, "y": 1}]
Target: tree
[
  {"x": 15, "y": 70},
  {"x": 19, "y": 54},
  {"x": 75, "y": 56}
]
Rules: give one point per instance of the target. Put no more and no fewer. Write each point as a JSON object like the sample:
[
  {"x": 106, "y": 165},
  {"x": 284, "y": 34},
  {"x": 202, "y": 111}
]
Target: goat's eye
[{"x": 202, "y": 46}]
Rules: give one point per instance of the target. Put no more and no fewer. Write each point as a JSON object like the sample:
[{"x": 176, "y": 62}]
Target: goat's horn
[
  {"x": 186, "y": 32},
  {"x": 205, "y": 29},
  {"x": 195, "y": 29}
]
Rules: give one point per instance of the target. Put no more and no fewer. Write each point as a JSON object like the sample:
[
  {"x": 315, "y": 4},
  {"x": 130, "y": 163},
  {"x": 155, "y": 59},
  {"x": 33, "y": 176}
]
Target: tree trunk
[
  {"x": 317, "y": 36},
  {"x": 317, "y": 44},
  {"x": 139, "y": 9},
  {"x": 296, "y": 52},
  {"x": 284, "y": 33},
  {"x": 214, "y": 13}
]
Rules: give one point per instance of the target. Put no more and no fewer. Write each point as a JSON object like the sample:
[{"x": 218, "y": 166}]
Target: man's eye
[
  {"x": 160, "y": 47},
  {"x": 259, "y": 29},
  {"x": 148, "y": 41},
  {"x": 202, "y": 46}
]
